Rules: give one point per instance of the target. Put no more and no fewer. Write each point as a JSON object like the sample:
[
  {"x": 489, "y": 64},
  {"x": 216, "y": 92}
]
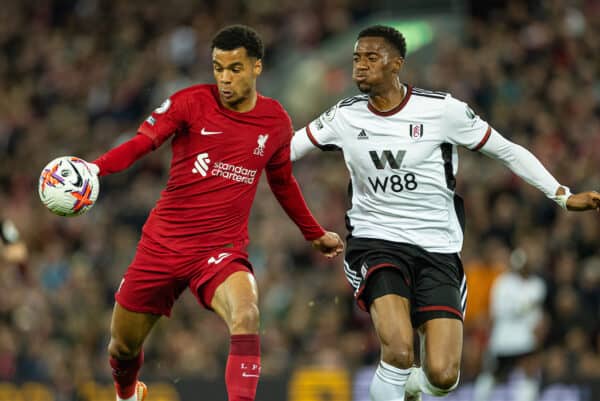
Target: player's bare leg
[
  {"x": 128, "y": 330},
  {"x": 441, "y": 347},
  {"x": 391, "y": 318},
  {"x": 236, "y": 302}
]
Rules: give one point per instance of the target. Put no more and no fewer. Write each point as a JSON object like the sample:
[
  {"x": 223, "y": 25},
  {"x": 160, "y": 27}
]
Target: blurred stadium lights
[
  {"x": 311, "y": 81},
  {"x": 418, "y": 33}
]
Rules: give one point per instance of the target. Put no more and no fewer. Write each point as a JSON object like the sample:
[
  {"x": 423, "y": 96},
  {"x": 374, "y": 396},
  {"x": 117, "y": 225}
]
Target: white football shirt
[{"x": 402, "y": 164}]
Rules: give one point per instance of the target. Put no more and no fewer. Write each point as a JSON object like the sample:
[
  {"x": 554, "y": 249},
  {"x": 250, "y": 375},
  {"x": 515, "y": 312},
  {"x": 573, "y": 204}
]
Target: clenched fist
[{"x": 330, "y": 244}]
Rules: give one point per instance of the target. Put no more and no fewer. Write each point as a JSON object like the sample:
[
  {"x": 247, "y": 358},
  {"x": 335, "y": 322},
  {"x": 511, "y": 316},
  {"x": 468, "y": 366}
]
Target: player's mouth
[
  {"x": 226, "y": 93},
  {"x": 360, "y": 78}
]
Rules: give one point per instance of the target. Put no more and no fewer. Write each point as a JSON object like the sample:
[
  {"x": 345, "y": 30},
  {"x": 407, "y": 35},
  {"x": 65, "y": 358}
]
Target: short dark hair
[
  {"x": 234, "y": 36},
  {"x": 391, "y": 35}
]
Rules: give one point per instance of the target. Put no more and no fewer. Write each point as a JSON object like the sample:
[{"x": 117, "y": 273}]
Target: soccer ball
[{"x": 68, "y": 186}]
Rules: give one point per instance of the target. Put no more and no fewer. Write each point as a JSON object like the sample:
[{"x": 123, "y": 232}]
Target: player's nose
[
  {"x": 225, "y": 77},
  {"x": 360, "y": 67},
  {"x": 360, "y": 64}
]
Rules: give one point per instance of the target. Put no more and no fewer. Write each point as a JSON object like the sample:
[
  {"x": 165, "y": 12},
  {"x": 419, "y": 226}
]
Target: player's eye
[{"x": 373, "y": 58}]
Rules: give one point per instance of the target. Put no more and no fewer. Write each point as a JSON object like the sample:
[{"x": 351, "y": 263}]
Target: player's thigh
[
  {"x": 128, "y": 330},
  {"x": 390, "y": 315},
  {"x": 235, "y": 300},
  {"x": 443, "y": 345}
]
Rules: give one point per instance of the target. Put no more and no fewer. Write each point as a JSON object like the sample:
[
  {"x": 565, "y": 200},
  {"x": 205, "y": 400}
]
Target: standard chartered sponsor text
[{"x": 233, "y": 172}]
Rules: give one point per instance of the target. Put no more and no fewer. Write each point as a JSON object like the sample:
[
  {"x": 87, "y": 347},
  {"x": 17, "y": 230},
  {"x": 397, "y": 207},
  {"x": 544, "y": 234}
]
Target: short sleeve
[
  {"x": 166, "y": 120},
  {"x": 324, "y": 131},
  {"x": 463, "y": 127}
]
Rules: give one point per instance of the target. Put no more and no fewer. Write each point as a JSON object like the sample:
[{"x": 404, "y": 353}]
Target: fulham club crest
[{"x": 415, "y": 131}]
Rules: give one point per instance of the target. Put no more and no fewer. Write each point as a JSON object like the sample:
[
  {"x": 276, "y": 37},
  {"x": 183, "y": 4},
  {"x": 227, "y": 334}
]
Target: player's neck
[
  {"x": 244, "y": 106},
  {"x": 388, "y": 99}
]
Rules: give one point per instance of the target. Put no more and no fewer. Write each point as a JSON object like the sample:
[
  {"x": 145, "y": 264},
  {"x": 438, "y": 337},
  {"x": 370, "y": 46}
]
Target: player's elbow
[
  {"x": 277, "y": 184},
  {"x": 280, "y": 179}
]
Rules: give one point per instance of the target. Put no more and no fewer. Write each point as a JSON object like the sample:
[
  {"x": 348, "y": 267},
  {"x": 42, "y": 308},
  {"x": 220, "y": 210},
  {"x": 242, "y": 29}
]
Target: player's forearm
[
  {"x": 522, "y": 162},
  {"x": 290, "y": 198},
  {"x": 124, "y": 155}
]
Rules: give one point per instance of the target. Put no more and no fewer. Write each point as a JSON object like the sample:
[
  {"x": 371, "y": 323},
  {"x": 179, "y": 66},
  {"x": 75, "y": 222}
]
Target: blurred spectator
[
  {"x": 481, "y": 273},
  {"x": 517, "y": 299},
  {"x": 13, "y": 251}
]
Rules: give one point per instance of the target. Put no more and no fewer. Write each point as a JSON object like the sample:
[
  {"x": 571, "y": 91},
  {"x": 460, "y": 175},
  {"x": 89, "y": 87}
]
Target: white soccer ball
[{"x": 68, "y": 186}]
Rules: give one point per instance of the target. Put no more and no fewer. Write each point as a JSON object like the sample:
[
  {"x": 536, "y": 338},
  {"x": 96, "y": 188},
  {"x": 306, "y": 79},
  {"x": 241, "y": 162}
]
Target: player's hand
[
  {"x": 330, "y": 244},
  {"x": 584, "y": 201}
]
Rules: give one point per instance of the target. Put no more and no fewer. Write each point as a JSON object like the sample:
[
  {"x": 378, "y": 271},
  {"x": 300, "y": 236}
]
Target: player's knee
[
  {"x": 397, "y": 353},
  {"x": 122, "y": 350},
  {"x": 245, "y": 319},
  {"x": 443, "y": 376}
]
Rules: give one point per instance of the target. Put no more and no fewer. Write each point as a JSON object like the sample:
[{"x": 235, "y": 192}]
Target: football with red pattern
[{"x": 69, "y": 186}]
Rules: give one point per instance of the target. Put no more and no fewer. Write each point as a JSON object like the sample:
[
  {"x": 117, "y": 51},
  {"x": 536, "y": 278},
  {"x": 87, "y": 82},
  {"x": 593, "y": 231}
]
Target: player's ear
[
  {"x": 397, "y": 64},
  {"x": 257, "y": 67}
]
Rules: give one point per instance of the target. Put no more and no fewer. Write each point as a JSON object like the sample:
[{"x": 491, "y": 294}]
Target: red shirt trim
[
  {"x": 484, "y": 140},
  {"x": 440, "y": 308},
  {"x": 395, "y": 109},
  {"x": 312, "y": 138}
]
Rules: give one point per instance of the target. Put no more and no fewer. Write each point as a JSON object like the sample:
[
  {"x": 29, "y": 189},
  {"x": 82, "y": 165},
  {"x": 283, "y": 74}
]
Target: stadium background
[{"x": 77, "y": 77}]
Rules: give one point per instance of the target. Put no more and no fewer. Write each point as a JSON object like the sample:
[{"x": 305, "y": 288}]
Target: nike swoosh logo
[
  {"x": 219, "y": 258},
  {"x": 205, "y": 132},
  {"x": 79, "y": 179}
]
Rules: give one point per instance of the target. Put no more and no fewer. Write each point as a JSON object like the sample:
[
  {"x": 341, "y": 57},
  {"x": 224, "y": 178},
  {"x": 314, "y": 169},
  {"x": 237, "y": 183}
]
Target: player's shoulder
[
  {"x": 356, "y": 100},
  {"x": 346, "y": 107},
  {"x": 429, "y": 95},
  {"x": 434, "y": 96},
  {"x": 271, "y": 108},
  {"x": 272, "y": 104},
  {"x": 438, "y": 100},
  {"x": 195, "y": 91}
]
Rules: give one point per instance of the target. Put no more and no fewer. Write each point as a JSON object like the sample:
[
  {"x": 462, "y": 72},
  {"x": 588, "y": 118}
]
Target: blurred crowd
[{"x": 77, "y": 77}]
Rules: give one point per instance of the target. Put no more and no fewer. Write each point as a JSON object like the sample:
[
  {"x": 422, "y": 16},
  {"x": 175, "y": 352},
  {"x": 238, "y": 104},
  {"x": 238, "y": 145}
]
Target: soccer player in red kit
[{"x": 222, "y": 137}]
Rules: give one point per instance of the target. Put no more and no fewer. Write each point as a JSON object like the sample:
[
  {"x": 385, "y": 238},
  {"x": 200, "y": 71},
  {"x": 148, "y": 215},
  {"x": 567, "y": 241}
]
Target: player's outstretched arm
[
  {"x": 286, "y": 190},
  {"x": 527, "y": 166},
  {"x": 123, "y": 156},
  {"x": 330, "y": 244}
]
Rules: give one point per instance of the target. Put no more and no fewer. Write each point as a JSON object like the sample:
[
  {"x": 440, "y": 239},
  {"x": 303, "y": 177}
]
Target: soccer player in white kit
[{"x": 406, "y": 223}]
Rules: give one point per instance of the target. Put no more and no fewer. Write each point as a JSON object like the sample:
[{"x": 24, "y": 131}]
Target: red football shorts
[{"x": 154, "y": 280}]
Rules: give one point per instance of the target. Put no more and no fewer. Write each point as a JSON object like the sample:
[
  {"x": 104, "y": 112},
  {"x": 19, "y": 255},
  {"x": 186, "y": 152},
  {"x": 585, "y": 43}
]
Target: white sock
[
  {"x": 418, "y": 381},
  {"x": 388, "y": 383},
  {"x": 132, "y": 398},
  {"x": 484, "y": 385}
]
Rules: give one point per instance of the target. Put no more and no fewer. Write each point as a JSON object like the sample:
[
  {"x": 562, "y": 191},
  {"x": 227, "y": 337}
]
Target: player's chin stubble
[
  {"x": 239, "y": 98},
  {"x": 363, "y": 87}
]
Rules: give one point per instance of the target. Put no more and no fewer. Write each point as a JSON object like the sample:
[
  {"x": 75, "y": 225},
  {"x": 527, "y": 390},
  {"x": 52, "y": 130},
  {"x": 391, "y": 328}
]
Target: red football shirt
[{"x": 218, "y": 156}]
